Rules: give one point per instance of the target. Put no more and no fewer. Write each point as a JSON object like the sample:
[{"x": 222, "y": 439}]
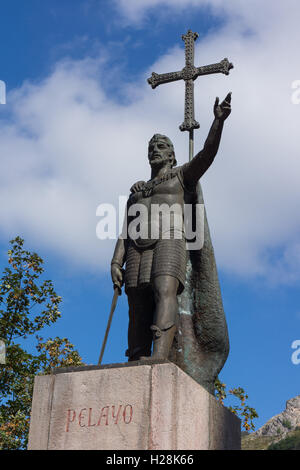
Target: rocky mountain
[
  {"x": 284, "y": 422},
  {"x": 280, "y": 432}
]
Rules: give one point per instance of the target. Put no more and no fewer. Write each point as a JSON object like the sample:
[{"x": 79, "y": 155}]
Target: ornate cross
[{"x": 189, "y": 73}]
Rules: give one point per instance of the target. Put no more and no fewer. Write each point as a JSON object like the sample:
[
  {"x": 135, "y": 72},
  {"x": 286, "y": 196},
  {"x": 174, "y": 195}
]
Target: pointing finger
[{"x": 228, "y": 97}]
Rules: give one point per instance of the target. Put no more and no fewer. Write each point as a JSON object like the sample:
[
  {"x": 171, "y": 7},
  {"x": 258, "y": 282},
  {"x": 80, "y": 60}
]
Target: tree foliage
[
  {"x": 27, "y": 305},
  {"x": 242, "y": 410},
  {"x": 289, "y": 442}
]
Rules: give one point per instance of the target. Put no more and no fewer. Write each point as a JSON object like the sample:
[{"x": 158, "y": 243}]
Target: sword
[{"x": 117, "y": 292}]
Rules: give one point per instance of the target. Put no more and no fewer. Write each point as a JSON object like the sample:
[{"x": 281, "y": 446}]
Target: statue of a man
[{"x": 156, "y": 267}]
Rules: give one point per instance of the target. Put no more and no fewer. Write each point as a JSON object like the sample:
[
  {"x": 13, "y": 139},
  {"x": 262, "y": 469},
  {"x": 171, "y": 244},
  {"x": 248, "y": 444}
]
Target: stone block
[{"x": 132, "y": 406}]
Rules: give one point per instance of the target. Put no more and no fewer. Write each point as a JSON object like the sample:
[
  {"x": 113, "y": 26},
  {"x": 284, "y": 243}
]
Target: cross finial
[{"x": 189, "y": 74}]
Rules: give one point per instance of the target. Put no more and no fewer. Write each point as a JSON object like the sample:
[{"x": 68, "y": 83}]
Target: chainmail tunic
[{"x": 166, "y": 257}]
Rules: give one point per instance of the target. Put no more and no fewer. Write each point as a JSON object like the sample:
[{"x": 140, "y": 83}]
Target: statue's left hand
[
  {"x": 137, "y": 187},
  {"x": 222, "y": 111}
]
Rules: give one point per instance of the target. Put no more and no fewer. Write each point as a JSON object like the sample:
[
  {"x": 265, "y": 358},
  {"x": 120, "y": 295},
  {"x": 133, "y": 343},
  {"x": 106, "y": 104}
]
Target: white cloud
[
  {"x": 136, "y": 10},
  {"x": 68, "y": 147},
  {"x": 252, "y": 14}
]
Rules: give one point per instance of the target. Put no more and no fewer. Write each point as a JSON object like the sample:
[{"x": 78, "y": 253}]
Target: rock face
[{"x": 284, "y": 422}]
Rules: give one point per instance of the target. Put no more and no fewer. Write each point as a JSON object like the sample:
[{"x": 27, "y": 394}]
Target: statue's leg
[
  {"x": 141, "y": 308},
  {"x": 165, "y": 289}
]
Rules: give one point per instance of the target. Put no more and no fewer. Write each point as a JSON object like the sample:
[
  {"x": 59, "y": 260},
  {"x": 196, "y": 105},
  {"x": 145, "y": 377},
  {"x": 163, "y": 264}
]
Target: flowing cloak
[{"x": 201, "y": 344}]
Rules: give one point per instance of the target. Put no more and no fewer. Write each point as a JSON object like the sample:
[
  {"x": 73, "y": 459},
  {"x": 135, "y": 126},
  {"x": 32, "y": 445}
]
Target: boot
[
  {"x": 138, "y": 354},
  {"x": 162, "y": 342}
]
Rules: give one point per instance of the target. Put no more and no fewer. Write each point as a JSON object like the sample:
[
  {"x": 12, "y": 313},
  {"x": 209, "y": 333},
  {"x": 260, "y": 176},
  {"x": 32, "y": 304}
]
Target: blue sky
[{"x": 74, "y": 134}]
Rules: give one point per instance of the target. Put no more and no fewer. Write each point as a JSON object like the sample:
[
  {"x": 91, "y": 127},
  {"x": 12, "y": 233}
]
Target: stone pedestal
[{"x": 132, "y": 406}]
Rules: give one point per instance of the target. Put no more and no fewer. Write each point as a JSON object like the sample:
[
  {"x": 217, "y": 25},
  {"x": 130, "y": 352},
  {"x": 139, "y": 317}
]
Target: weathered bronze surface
[{"x": 174, "y": 296}]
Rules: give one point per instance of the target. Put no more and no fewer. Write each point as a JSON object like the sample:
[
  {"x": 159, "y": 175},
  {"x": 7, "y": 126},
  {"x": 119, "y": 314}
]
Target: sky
[{"x": 74, "y": 133}]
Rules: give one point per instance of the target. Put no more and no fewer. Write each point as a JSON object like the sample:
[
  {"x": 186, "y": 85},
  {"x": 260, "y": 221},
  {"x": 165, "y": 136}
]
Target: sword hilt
[{"x": 119, "y": 289}]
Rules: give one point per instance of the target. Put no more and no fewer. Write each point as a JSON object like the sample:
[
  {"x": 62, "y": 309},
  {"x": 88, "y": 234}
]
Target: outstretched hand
[{"x": 222, "y": 111}]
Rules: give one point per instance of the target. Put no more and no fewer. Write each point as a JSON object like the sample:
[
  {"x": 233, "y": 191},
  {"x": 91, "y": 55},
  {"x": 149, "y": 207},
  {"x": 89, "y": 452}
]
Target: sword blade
[{"x": 112, "y": 309}]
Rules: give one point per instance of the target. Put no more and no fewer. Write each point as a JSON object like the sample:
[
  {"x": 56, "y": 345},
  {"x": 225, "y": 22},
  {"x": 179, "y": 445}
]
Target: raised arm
[{"x": 193, "y": 170}]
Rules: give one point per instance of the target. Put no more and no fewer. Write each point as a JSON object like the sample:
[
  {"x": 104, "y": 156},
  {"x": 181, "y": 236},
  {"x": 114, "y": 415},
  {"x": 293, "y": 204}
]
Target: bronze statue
[
  {"x": 173, "y": 291},
  {"x": 156, "y": 268}
]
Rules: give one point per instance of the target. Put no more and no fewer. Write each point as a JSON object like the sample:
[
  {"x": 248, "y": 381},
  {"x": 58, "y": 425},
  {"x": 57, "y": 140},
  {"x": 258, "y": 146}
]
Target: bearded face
[{"x": 160, "y": 152}]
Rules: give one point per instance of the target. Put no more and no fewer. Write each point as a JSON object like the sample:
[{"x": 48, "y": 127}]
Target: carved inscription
[{"x": 106, "y": 416}]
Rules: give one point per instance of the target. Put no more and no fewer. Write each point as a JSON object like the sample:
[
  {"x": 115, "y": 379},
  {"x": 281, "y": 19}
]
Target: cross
[{"x": 189, "y": 73}]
